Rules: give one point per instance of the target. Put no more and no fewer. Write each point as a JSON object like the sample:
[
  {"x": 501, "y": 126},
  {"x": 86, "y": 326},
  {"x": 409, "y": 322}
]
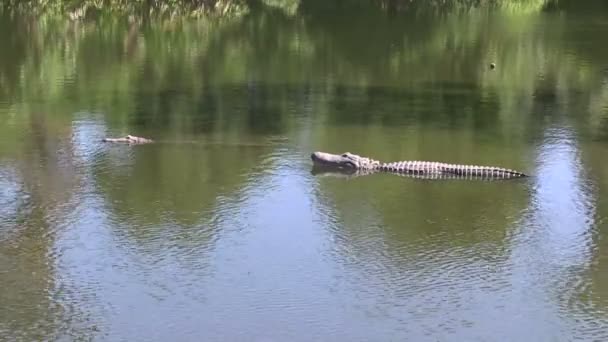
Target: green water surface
[{"x": 219, "y": 231}]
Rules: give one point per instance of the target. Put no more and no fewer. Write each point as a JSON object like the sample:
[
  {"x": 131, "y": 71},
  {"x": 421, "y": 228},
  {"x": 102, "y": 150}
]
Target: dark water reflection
[{"x": 220, "y": 231}]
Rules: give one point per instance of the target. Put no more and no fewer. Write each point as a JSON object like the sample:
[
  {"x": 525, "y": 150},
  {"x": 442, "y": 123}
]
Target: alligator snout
[
  {"x": 325, "y": 158},
  {"x": 315, "y": 156}
]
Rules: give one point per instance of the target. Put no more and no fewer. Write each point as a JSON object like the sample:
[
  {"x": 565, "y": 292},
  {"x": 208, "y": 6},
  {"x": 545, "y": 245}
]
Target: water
[{"x": 220, "y": 231}]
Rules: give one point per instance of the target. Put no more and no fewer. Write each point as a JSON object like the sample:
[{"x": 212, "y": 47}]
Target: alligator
[
  {"x": 356, "y": 165},
  {"x": 130, "y": 139}
]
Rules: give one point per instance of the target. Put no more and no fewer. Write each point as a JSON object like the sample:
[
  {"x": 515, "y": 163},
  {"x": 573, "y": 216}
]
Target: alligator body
[
  {"x": 356, "y": 165},
  {"x": 129, "y": 139}
]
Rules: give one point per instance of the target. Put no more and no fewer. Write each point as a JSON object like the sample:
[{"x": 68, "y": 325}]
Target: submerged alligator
[
  {"x": 129, "y": 139},
  {"x": 356, "y": 165},
  {"x": 133, "y": 140}
]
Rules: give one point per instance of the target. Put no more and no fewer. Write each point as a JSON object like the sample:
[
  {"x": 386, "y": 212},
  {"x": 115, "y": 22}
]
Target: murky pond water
[{"x": 219, "y": 231}]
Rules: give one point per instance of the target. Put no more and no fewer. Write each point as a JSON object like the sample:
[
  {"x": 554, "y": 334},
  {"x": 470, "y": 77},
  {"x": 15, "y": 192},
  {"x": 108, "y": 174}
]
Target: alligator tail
[{"x": 491, "y": 172}]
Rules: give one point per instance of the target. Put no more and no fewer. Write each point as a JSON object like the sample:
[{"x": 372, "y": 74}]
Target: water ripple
[{"x": 557, "y": 238}]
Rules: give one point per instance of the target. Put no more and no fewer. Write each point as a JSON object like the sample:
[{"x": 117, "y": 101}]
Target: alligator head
[
  {"x": 130, "y": 139},
  {"x": 346, "y": 160}
]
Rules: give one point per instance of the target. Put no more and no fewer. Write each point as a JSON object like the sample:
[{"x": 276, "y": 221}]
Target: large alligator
[
  {"x": 129, "y": 139},
  {"x": 356, "y": 165}
]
